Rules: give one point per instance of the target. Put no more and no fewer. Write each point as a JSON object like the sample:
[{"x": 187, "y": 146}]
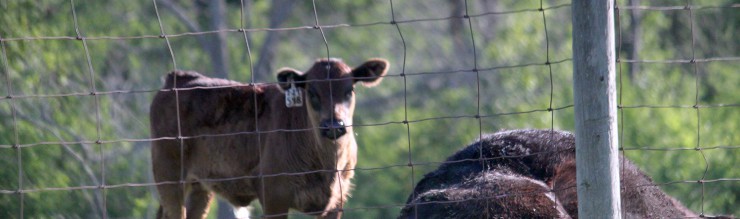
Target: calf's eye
[{"x": 315, "y": 102}]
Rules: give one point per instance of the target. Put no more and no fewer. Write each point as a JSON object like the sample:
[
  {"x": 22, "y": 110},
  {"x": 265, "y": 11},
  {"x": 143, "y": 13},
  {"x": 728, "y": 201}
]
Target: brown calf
[{"x": 299, "y": 157}]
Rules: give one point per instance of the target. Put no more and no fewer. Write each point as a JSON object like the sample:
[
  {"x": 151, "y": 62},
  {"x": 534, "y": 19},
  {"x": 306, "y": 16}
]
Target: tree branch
[
  {"x": 181, "y": 15},
  {"x": 96, "y": 200}
]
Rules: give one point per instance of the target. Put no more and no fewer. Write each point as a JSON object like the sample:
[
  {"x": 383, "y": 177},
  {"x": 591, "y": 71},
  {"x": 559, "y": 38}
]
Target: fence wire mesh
[{"x": 476, "y": 73}]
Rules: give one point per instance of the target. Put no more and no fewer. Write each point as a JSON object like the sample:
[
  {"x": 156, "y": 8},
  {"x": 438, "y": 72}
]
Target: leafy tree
[{"x": 432, "y": 85}]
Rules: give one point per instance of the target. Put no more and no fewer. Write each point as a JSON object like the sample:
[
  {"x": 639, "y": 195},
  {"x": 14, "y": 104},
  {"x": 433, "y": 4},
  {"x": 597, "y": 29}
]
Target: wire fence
[
  {"x": 694, "y": 61},
  {"x": 477, "y": 69}
]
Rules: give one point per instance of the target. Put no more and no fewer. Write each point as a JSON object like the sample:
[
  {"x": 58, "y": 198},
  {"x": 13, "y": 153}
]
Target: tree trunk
[
  {"x": 278, "y": 14},
  {"x": 213, "y": 44},
  {"x": 217, "y": 44},
  {"x": 460, "y": 32},
  {"x": 459, "y": 28}
]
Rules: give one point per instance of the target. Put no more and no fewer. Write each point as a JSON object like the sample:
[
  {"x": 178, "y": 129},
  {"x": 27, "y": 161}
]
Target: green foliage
[{"x": 439, "y": 95}]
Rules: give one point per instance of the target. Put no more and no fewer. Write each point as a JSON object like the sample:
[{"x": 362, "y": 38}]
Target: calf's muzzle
[{"x": 332, "y": 128}]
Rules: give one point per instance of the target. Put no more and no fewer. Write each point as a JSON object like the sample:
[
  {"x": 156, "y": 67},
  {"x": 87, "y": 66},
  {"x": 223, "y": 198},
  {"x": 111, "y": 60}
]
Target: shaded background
[{"x": 522, "y": 56}]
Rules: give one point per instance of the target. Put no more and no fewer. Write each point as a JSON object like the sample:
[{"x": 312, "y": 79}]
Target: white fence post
[{"x": 594, "y": 84}]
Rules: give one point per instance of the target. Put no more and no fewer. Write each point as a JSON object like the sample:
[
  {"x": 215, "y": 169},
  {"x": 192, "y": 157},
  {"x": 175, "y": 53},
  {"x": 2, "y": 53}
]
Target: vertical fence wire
[
  {"x": 405, "y": 121},
  {"x": 252, "y": 85},
  {"x": 696, "y": 104},
  {"x": 328, "y": 67},
  {"x": 16, "y": 139},
  {"x": 93, "y": 93},
  {"x": 477, "y": 116},
  {"x": 549, "y": 69},
  {"x": 181, "y": 141}
]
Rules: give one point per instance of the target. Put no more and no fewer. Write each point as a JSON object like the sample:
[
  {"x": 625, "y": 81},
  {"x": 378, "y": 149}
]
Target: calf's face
[{"x": 329, "y": 91}]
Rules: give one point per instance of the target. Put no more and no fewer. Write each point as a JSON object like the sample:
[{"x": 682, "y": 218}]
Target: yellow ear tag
[{"x": 293, "y": 96}]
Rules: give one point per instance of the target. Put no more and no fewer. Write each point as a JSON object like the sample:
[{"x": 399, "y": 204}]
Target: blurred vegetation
[{"x": 440, "y": 94}]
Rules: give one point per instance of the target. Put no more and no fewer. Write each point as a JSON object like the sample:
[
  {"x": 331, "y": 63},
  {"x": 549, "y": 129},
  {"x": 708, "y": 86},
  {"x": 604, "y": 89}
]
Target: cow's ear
[
  {"x": 285, "y": 75},
  {"x": 371, "y": 72}
]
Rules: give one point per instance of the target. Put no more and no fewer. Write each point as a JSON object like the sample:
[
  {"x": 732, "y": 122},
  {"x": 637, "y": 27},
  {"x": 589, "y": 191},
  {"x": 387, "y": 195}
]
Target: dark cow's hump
[
  {"x": 535, "y": 141},
  {"x": 188, "y": 79},
  {"x": 515, "y": 143},
  {"x": 500, "y": 149},
  {"x": 489, "y": 194},
  {"x": 503, "y": 151},
  {"x": 531, "y": 153}
]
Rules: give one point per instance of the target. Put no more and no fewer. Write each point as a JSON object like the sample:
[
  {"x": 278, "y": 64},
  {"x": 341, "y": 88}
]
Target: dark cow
[
  {"x": 243, "y": 142},
  {"x": 525, "y": 174}
]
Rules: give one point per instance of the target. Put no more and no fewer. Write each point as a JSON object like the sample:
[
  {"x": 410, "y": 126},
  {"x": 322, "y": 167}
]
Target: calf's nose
[{"x": 332, "y": 129}]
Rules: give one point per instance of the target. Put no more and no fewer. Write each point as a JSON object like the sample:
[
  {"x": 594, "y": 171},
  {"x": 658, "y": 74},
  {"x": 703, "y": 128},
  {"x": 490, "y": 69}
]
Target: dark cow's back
[
  {"x": 525, "y": 173},
  {"x": 487, "y": 195}
]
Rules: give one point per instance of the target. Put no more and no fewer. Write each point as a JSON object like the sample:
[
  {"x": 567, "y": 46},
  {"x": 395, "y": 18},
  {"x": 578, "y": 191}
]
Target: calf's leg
[
  {"x": 274, "y": 199},
  {"x": 171, "y": 202},
  {"x": 198, "y": 201},
  {"x": 275, "y": 210},
  {"x": 166, "y": 168}
]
